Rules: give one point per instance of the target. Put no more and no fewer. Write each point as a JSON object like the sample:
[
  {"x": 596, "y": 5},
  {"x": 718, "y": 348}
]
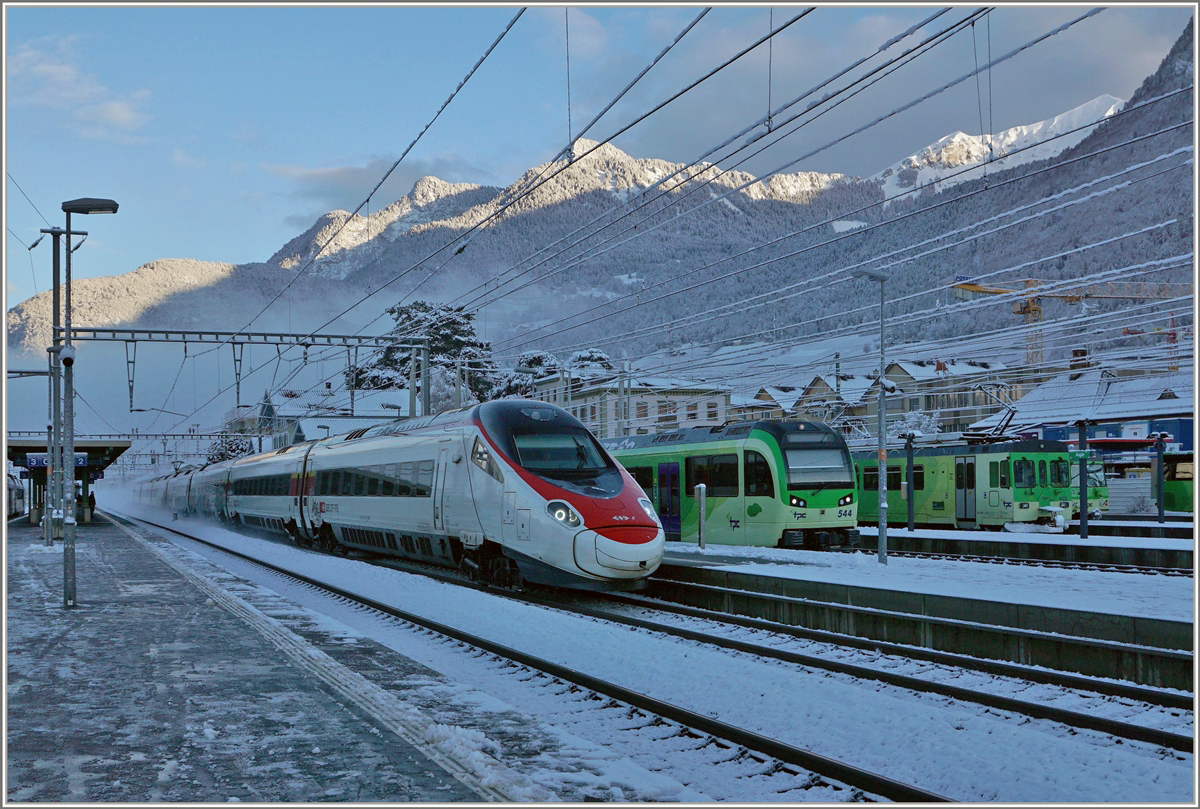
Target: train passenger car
[
  {"x": 1017, "y": 484},
  {"x": 14, "y": 499},
  {"x": 509, "y": 491},
  {"x": 1178, "y": 484},
  {"x": 770, "y": 483}
]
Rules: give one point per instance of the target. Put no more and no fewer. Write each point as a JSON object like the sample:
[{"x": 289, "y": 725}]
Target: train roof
[
  {"x": 733, "y": 430},
  {"x": 1023, "y": 445}
]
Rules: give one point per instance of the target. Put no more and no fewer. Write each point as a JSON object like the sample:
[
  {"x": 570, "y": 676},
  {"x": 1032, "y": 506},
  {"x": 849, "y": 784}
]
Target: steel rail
[
  {"x": 1111, "y": 688},
  {"x": 1034, "y": 710},
  {"x": 848, "y": 774}
]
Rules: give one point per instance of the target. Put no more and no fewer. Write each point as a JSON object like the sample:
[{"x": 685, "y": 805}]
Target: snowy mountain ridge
[
  {"x": 944, "y": 162},
  {"x": 761, "y": 244}
]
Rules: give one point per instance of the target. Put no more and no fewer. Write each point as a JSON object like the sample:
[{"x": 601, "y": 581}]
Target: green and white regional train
[
  {"x": 991, "y": 485},
  {"x": 787, "y": 484}
]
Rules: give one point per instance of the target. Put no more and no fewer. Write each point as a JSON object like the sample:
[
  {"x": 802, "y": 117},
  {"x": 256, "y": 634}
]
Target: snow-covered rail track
[
  {"x": 1139, "y": 650},
  {"x": 1152, "y": 701},
  {"x": 725, "y": 734}
]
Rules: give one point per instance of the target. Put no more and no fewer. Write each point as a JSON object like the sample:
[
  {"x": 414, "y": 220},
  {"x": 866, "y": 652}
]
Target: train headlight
[
  {"x": 648, "y": 507},
  {"x": 847, "y": 500},
  {"x": 563, "y": 513},
  {"x": 799, "y": 502}
]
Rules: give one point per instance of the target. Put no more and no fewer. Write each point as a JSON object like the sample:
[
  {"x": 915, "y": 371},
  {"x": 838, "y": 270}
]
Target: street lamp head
[
  {"x": 874, "y": 275},
  {"x": 89, "y": 205}
]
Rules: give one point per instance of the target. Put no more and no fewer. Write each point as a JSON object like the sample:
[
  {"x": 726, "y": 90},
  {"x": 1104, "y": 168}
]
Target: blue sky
[{"x": 225, "y": 131}]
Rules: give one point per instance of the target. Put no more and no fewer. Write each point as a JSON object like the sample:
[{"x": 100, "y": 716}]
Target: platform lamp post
[
  {"x": 86, "y": 205},
  {"x": 881, "y": 277}
]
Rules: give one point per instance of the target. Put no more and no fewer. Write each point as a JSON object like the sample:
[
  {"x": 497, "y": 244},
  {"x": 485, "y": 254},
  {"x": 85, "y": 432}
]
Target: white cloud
[
  {"x": 185, "y": 161},
  {"x": 46, "y": 73}
]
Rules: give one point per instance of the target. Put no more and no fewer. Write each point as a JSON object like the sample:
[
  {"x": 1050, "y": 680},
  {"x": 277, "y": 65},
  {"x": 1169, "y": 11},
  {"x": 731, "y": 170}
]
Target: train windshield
[
  {"x": 817, "y": 460},
  {"x": 828, "y": 466},
  {"x": 573, "y": 452},
  {"x": 550, "y": 443}
]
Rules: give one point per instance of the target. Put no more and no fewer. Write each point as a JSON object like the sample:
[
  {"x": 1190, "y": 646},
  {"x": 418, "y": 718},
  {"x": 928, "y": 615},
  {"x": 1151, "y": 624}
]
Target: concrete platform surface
[{"x": 148, "y": 691}]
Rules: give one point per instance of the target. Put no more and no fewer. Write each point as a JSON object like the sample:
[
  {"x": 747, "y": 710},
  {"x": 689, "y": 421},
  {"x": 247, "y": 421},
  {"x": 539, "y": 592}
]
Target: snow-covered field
[{"x": 962, "y": 751}]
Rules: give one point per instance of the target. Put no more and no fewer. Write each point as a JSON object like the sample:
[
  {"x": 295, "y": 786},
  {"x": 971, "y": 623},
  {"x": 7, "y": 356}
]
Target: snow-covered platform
[
  {"x": 1111, "y": 548},
  {"x": 148, "y": 691},
  {"x": 1131, "y": 594}
]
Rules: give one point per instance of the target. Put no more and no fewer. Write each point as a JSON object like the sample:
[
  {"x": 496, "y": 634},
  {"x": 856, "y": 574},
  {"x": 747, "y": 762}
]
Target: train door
[
  {"x": 964, "y": 490},
  {"x": 439, "y": 493},
  {"x": 668, "y": 500}
]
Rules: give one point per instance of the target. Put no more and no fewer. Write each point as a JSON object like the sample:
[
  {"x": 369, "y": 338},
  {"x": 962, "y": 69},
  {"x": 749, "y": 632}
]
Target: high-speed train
[{"x": 509, "y": 491}]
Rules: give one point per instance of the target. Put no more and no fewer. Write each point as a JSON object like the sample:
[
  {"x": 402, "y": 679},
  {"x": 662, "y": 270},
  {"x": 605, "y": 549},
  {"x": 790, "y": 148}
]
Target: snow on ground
[
  {"x": 960, "y": 751},
  {"x": 1155, "y": 596}
]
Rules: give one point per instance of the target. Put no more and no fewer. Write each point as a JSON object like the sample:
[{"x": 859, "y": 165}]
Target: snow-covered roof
[
  {"x": 922, "y": 370},
  {"x": 1097, "y": 394}
]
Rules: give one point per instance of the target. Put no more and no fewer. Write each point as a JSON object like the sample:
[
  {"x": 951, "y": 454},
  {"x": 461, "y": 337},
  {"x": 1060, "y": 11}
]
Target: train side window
[
  {"x": 958, "y": 475},
  {"x": 425, "y": 479},
  {"x": 1023, "y": 476},
  {"x": 323, "y": 483},
  {"x": 870, "y": 478},
  {"x": 388, "y": 486},
  {"x": 758, "y": 475},
  {"x": 373, "y": 481},
  {"x": 696, "y": 469},
  {"x": 994, "y": 475},
  {"x": 1004, "y": 474},
  {"x": 1043, "y": 480},
  {"x": 970, "y": 475},
  {"x": 893, "y": 478},
  {"x": 360, "y": 483},
  {"x": 918, "y": 478},
  {"x": 644, "y": 476},
  {"x": 723, "y": 474},
  {"x": 404, "y": 482}
]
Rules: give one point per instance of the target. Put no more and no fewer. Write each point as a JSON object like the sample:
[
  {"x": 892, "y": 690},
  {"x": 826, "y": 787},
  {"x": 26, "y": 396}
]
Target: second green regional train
[
  {"x": 989, "y": 485},
  {"x": 770, "y": 483}
]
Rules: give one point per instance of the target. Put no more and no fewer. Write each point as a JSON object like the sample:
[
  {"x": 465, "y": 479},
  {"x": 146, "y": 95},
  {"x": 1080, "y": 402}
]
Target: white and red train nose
[{"x": 619, "y": 551}]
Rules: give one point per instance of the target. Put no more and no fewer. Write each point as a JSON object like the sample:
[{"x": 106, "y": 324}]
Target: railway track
[
  {"x": 1130, "y": 698},
  {"x": 724, "y": 734}
]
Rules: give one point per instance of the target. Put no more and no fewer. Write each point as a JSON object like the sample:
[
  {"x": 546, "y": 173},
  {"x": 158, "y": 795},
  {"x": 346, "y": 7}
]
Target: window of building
[
  {"x": 693, "y": 411},
  {"x": 643, "y": 410},
  {"x": 713, "y": 411}
]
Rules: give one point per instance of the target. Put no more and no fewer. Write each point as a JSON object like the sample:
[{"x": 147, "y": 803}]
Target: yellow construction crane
[{"x": 1031, "y": 307}]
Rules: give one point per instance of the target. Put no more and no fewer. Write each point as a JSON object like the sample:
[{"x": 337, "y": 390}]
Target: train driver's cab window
[
  {"x": 1023, "y": 474},
  {"x": 1060, "y": 473},
  {"x": 758, "y": 476},
  {"x": 1179, "y": 471}
]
